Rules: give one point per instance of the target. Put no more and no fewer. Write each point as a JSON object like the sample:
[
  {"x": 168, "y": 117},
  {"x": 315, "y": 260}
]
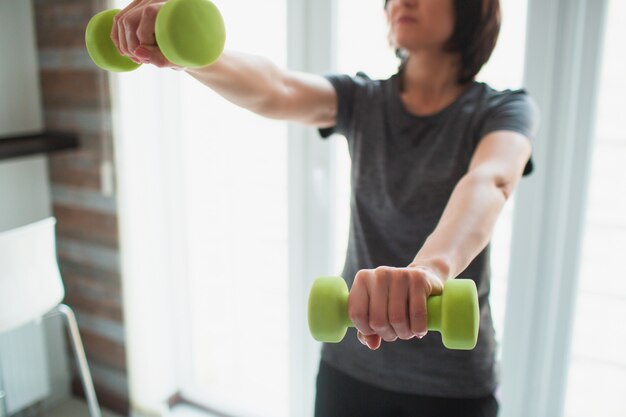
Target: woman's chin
[{"x": 407, "y": 42}]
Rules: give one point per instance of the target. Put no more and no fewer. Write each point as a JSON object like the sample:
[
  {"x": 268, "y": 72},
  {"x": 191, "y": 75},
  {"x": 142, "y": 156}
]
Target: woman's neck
[{"x": 430, "y": 81}]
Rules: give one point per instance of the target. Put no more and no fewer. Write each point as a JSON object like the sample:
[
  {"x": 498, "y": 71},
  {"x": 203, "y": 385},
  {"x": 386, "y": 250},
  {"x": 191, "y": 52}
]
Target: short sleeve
[
  {"x": 346, "y": 88},
  {"x": 515, "y": 111}
]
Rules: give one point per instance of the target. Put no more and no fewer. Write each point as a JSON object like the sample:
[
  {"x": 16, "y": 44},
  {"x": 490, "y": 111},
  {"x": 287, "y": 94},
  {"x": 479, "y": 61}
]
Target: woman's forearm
[{"x": 465, "y": 226}]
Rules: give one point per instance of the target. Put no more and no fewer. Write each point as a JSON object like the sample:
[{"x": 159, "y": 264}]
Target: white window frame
[{"x": 311, "y": 197}]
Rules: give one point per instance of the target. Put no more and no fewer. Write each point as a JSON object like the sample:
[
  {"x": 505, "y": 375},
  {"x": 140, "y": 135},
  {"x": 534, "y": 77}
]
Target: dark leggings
[{"x": 340, "y": 395}]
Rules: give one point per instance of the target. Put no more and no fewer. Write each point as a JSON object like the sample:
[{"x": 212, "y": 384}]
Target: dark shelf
[{"x": 36, "y": 143}]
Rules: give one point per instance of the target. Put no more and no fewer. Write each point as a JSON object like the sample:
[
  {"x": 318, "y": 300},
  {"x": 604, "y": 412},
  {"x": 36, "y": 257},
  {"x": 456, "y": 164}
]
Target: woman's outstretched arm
[
  {"x": 249, "y": 81},
  {"x": 469, "y": 218},
  {"x": 389, "y": 302},
  {"x": 257, "y": 84}
]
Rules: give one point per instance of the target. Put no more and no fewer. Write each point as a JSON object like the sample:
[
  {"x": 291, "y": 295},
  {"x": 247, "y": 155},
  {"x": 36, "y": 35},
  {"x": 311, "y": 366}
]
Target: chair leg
[{"x": 81, "y": 359}]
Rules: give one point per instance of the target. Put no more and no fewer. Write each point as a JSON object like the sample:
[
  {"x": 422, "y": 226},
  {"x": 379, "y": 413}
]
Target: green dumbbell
[
  {"x": 454, "y": 313},
  {"x": 190, "y": 33}
]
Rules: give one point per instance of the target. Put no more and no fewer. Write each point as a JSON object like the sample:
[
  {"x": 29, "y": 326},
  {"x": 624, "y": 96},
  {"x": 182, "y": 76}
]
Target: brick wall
[{"x": 76, "y": 98}]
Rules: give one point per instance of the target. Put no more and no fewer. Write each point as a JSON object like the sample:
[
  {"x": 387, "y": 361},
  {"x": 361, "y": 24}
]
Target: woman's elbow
[{"x": 502, "y": 183}]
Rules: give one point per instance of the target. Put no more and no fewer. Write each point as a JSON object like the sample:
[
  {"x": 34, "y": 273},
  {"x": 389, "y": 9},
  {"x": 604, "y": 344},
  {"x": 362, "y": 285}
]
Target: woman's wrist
[{"x": 440, "y": 266}]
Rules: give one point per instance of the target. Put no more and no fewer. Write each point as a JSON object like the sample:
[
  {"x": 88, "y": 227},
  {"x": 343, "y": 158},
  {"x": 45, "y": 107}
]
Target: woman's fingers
[
  {"x": 133, "y": 33},
  {"x": 152, "y": 55},
  {"x": 379, "y": 303},
  {"x": 115, "y": 37},
  {"x": 118, "y": 35},
  {"x": 423, "y": 282},
  {"x": 372, "y": 341},
  {"x": 389, "y": 303},
  {"x": 358, "y": 302},
  {"x": 130, "y": 23},
  {"x": 359, "y": 308},
  {"x": 134, "y": 26},
  {"x": 418, "y": 314},
  {"x": 399, "y": 305},
  {"x": 145, "y": 28}
]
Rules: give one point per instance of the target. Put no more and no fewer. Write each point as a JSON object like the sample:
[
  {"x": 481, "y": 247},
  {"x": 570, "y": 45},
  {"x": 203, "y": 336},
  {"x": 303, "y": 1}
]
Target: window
[
  {"x": 210, "y": 313},
  {"x": 207, "y": 183},
  {"x": 361, "y": 46},
  {"x": 235, "y": 222},
  {"x": 597, "y": 368},
  {"x": 505, "y": 70}
]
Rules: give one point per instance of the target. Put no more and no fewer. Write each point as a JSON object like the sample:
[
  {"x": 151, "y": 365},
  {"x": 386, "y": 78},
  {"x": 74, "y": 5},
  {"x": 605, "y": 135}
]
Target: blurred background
[{"x": 180, "y": 216}]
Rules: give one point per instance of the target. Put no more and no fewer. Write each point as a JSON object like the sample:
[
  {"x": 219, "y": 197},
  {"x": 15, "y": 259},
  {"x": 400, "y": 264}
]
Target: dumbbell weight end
[{"x": 100, "y": 46}]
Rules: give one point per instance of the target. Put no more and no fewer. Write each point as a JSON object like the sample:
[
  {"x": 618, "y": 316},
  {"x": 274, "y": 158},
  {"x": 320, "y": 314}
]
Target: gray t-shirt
[{"x": 404, "y": 168}]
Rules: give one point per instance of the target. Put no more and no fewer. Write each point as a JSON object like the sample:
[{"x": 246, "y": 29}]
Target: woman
[{"x": 435, "y": 155}]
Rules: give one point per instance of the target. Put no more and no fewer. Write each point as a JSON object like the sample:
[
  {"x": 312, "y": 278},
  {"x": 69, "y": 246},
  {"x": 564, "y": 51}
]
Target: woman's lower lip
[{"x": 406, "y": 20}]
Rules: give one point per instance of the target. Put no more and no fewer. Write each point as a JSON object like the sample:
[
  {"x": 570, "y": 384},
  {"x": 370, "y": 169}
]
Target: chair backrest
[{"x": 30, "y": 281}]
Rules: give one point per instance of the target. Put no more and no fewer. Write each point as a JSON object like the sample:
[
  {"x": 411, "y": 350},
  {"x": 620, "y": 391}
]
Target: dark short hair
[{"x": 476, "y": 29}]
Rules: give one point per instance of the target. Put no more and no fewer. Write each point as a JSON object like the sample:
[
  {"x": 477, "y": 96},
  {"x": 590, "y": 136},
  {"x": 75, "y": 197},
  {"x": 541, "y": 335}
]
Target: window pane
[
  {"x": 597, "y": 368},
  {"x": 236, "y": 227},
  {"x": 361, "y": 46},
  {"x": 505, "y": 70}
]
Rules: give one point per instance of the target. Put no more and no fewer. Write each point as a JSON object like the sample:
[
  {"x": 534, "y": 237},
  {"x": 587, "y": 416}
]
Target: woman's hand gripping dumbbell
[
  {"x": 454, "y": 313},
  {"x": 188, "y": 33}
]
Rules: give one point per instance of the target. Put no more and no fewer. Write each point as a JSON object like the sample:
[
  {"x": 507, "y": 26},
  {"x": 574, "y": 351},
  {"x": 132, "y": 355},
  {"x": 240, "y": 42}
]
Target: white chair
[{"x": 31, "y": 288}]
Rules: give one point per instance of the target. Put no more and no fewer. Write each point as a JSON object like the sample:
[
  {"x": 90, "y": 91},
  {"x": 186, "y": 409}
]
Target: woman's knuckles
[
  {"x": 398, "y": 318},
  {"x": 383, "y": 269},
  {"x": 379, "y": 325},
  {"x": 357, "y": 314},
  {"x": 361, "y": 277},
  {"x": 150, "y": 11}
]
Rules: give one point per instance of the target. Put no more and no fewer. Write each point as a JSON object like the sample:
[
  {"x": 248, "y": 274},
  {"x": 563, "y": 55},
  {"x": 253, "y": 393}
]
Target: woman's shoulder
[
  {"x": 360, "y": 79},
  {"x": 359, "y": 86},
  {"x": 490, "y": 97},
  {"x": 508, "y": 109}
]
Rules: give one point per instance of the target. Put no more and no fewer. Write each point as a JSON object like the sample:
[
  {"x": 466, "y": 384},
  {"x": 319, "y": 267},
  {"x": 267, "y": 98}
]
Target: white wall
[
  {"x": 20, "y": 103},
  {"x": 24, "y": 184}
]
